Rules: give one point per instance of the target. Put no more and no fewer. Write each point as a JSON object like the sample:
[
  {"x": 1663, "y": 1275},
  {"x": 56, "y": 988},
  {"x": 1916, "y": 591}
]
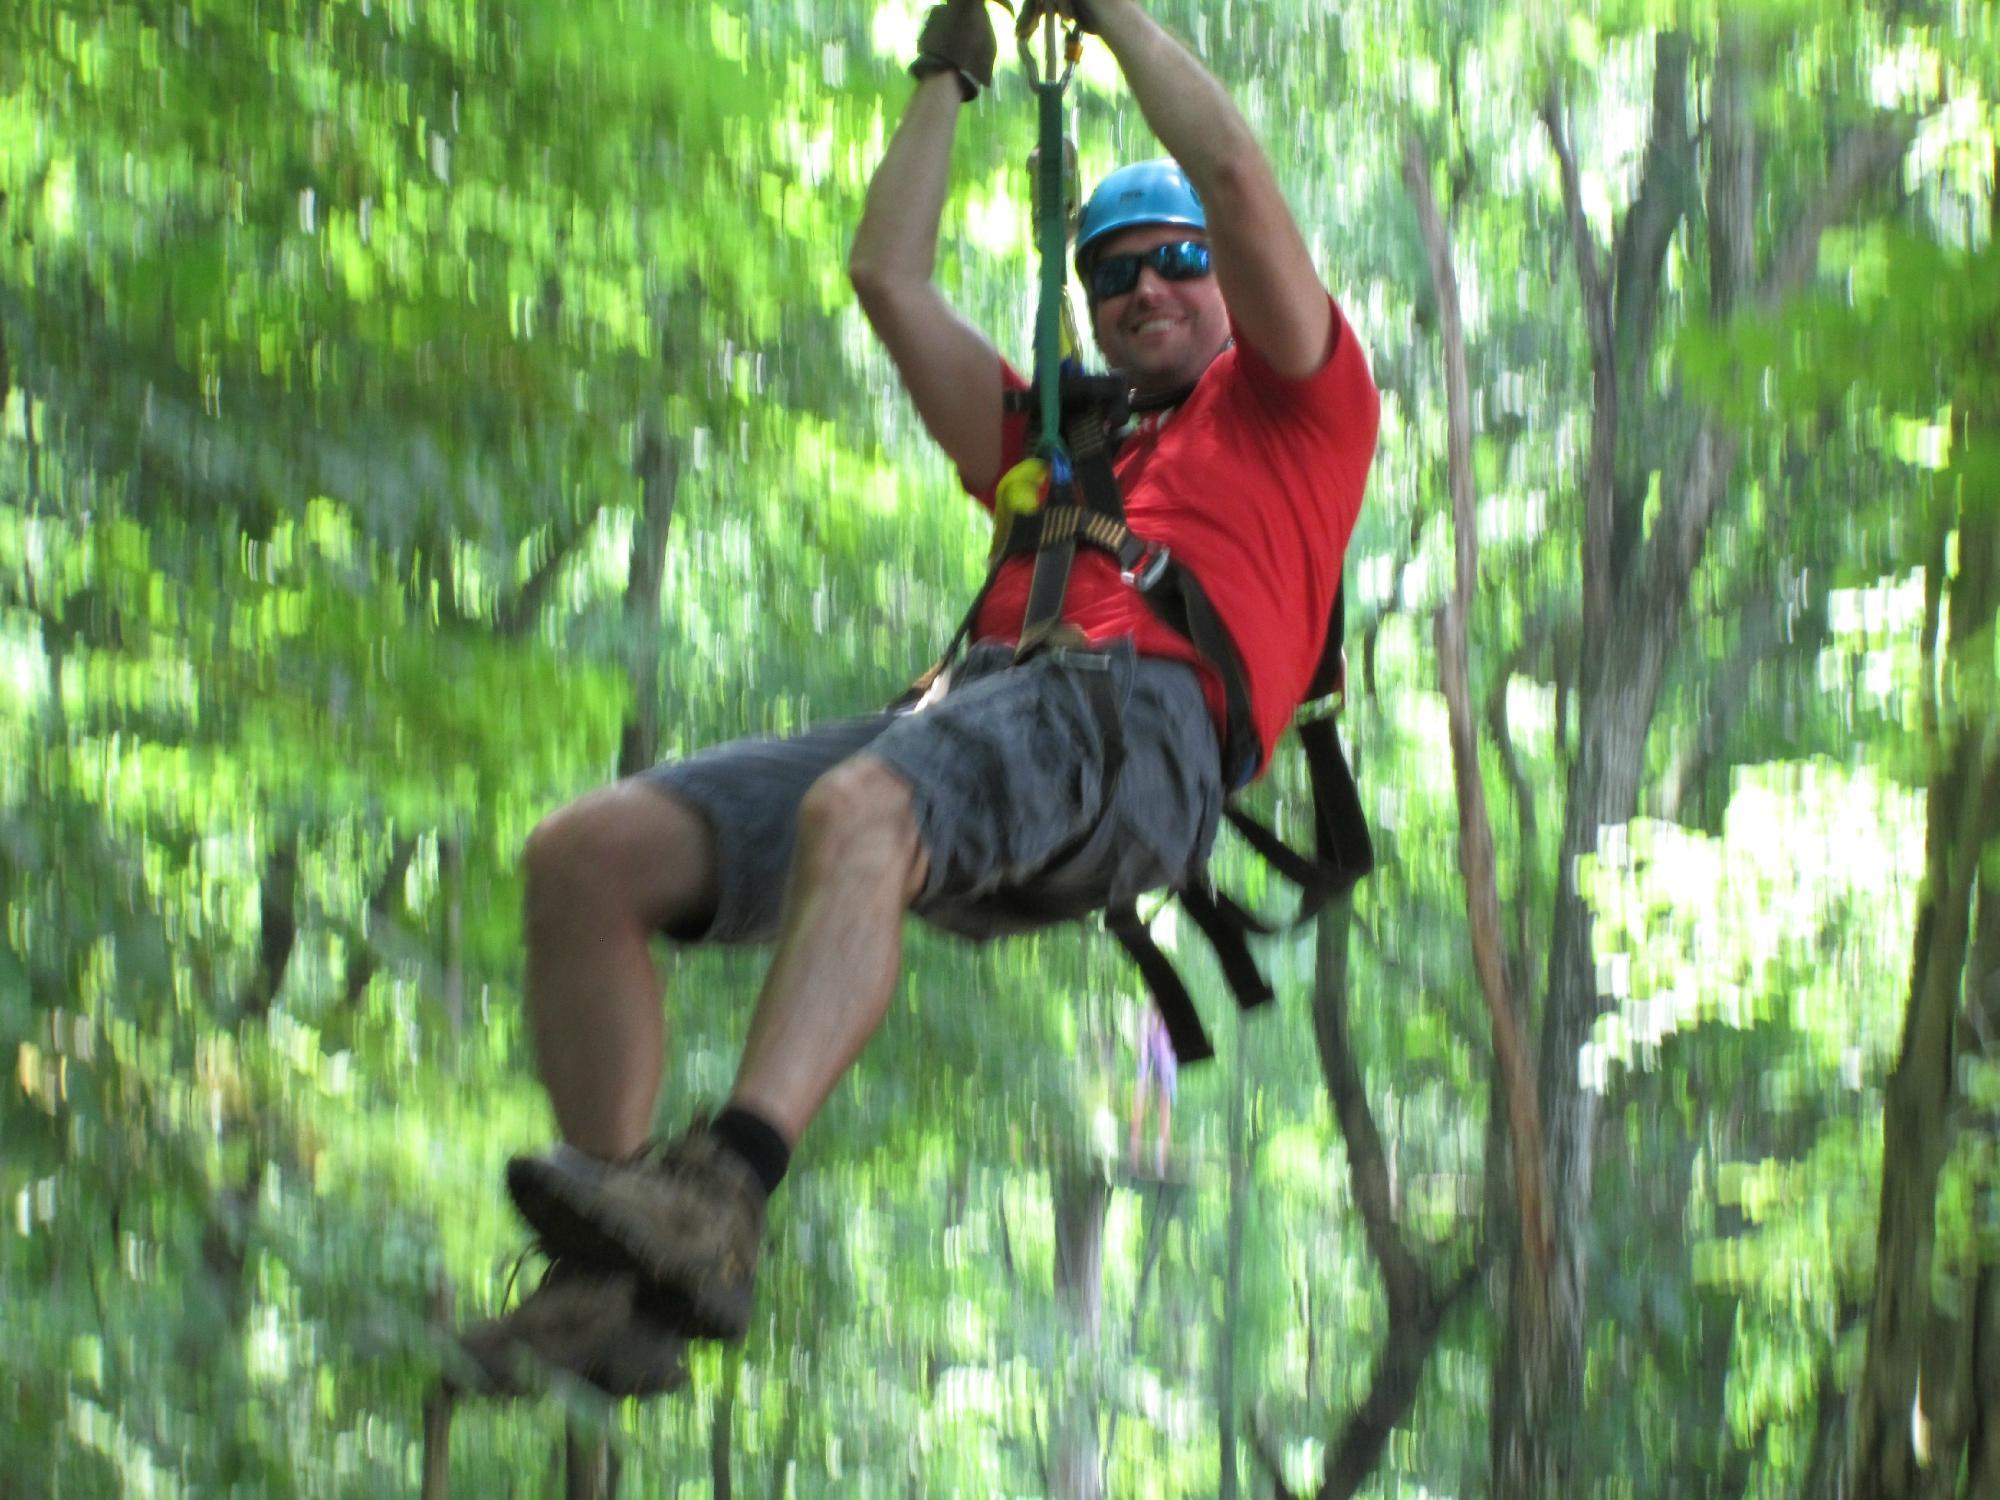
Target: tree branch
[
  {"x": 1979, "y": 1023},
  {"x": 278, "y": 925},
  {"x": 1667, "y": 190},
  {"x": 657, "y": 467},
  {"x": 1457, "y": 384},
  {"x": 1415, "y": 1309},
  {"x": 1864, "y": 161},
  {"x": 1760, "y": 635},
  {"x": 1262, "y": 1444},
  {"x": 365, "y": 960},
  {"x": 1367, "y": 1161},
  {"x": 519, "y": 613},
  {"x": 1371, "y": 629},
  {"x": 1640, "y": 249},
  {"x": 1682, "y": 530},
  {"x": 1962, "y": 821},
  {"x": 1732, "y": 176},
  {"x": 1475, "y": 834},
  {"x": 1983, "y": 1441},
  {"x": 1676, "y": 544},
  {"x": 1524, "y": 808},
  {"x": 1392, "y": 1390},
  {"x": 1601, "y": 470}
]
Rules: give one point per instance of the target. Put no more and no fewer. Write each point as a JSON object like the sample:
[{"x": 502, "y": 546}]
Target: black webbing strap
[
  {"x": 1279, "y": 855},
  {"x": 1178, "y": 600},
  {"x": 1170, "y": 996},
  {"x": 1026, "y": 534},
  {"x": 1342, "y": 850},
  {"x": 1227, "y": 929},
  {"x": 1340, "y": 832},
  {"x": 1055, "y": 550},
  {"x": 1327, "y": 676},
  {"x": 1088, "y": 446},
  {"x": 1345, "y": 852},
  {"x": 1107, "y": 395},
  {"x": 1241, "y": 915},
  {"x": 931, "y": 673}
]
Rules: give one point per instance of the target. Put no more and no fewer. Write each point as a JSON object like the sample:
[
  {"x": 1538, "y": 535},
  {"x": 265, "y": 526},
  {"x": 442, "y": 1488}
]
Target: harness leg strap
[
  {"x": 1176, "y": 1006},
  {"x": 1227, "y": 933}
]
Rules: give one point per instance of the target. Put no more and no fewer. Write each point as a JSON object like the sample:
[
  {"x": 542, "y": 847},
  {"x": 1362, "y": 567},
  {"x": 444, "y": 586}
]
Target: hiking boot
[
  {"x": 594, "y": 1325},
  {"x": 687, "y": 1216}
]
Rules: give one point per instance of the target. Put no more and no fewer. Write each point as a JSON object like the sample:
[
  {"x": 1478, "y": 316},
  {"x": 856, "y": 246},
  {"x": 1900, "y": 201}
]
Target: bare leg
[
  {"x": 858, "y": 865},
  {"x": 604, "y": 874}
]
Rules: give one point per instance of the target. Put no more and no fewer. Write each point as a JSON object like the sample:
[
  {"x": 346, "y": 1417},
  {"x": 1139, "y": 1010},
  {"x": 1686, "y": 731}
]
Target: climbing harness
[{"x": 1065, "y": 492}]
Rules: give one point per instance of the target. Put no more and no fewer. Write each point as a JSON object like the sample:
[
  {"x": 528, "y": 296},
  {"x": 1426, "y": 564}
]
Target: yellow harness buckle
[
  {"x": 1019, "y": 493},
  {"x": 1022, "y": 487}
]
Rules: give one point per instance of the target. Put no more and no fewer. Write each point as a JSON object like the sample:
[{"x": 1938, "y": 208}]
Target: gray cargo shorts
[{"x": 1008, "y": 770}]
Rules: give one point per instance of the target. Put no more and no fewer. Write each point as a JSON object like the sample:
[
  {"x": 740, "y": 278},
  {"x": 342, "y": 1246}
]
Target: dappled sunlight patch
[
  {"x": 347, "y": 346},
  {"x": 1798, "y": 916}
]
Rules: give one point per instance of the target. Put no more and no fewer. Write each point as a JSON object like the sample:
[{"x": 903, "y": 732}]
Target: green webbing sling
[
  {"x": 1051, "y": 224},
  {"x": 1042, "y": 625},
  {"x": 1051, "y": 234}
]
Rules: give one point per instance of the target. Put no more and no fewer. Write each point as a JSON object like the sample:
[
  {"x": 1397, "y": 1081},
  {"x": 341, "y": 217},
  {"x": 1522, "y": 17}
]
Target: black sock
[{"x": 756, "y": 1141}]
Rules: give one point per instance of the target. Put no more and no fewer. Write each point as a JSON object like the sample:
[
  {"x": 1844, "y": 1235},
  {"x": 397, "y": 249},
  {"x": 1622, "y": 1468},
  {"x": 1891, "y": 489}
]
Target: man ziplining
[{"x": 1025, "y": 787}]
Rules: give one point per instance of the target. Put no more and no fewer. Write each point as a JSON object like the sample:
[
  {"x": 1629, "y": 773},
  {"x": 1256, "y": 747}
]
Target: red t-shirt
[{"x": 1253, "y": 482}]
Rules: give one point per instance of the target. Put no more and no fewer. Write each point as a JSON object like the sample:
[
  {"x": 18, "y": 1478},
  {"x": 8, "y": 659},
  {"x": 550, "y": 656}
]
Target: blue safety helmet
[{"x": 1147, "y": 192}]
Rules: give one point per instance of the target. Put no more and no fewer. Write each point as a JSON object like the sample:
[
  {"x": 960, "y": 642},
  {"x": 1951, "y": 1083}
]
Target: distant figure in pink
[{"x": 1159, "y": 1072}]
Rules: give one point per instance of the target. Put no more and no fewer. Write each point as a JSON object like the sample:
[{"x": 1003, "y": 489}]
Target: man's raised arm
[
  {"x": 950, "y": 369},
  {"x": 1261, "y": 261}
]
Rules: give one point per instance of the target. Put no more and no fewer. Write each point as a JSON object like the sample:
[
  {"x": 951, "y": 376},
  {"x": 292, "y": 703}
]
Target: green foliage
[{"x": 333, "y": 336}]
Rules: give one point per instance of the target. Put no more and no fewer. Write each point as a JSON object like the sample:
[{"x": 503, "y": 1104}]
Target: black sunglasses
[{"x": 1177, "y": 260}]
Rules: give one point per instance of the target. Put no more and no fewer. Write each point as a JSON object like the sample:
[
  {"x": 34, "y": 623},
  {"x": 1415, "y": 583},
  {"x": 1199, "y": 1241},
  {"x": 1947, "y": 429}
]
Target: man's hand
[
  {"x": 958, "y": 36},
  {"x": 1075, "y": 12}
]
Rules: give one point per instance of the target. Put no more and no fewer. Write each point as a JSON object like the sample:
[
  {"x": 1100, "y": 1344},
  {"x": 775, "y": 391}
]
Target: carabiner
[{"x": 1072, "y": 49}]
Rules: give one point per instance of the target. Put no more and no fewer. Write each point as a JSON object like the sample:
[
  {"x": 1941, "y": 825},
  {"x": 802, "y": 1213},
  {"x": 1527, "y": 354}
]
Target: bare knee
[
  {"x": 627, "y": 851},
  {"x": 859, "y": 822}
]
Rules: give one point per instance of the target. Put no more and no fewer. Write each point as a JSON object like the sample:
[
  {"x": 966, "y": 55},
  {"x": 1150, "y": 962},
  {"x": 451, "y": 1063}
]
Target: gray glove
[{"x": 958, "y": 36}]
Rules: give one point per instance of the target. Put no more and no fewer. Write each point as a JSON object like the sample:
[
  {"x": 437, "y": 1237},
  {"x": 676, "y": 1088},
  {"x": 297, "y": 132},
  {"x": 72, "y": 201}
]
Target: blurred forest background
[{"x": 415, "y": 412}]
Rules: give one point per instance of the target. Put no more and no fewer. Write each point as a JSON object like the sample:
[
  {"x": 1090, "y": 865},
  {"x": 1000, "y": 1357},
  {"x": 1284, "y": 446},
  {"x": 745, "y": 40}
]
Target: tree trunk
[
  {"x": 1232, "y": 1268},
  {"x": 451, "y": 870},
  {"x": 1826, "y": 1463},
  {"x": 438, "y": 1408},
  {"x": 1896, "y": 1412},
  {"x": 437, "y": 1446},
  {"x": 1538, "y": 1382},
  {"x": 364, "y": 954},
  {"x": 721, "y": 1424},
  {"x": 1983, "y": 1015},
  {"x": 1416, "y": 1308},
  {"x": 657, "y": 466},
  {"x": 1081, "y": 1195},
  {"x": 277, "y": 926},
  {"x": 786, "y": 1447},
  {"x": 590, "y": 1467},
  {"x": 1983, "y": 1441}
]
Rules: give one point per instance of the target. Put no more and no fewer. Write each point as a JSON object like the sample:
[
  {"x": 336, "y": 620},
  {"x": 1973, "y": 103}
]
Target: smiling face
[{"x": 1161, "y": 334}]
